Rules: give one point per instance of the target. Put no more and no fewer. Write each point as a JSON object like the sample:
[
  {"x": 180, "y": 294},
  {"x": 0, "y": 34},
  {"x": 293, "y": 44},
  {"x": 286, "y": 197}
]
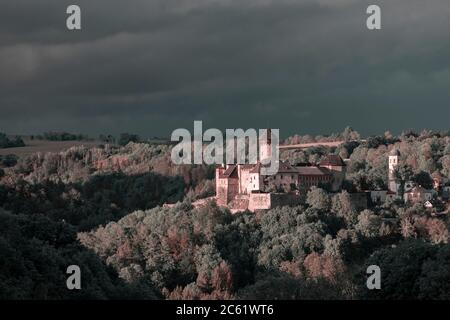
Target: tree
[
  {"x": 125, "y": 138},
  {"x": 222, "y": 277},
  {"x": 423, "y": 179},
  {"x": 349, "y": 134},
  {"x": 323, "y": 266},
  {"x": 369, "y": 224},
  {"x": 446, "y": 165},
  {"x": 107, "y": 138},
  {"x": 6, "y": 142},
  {"x": 9, "y": 160},
  {"x": 407, "y": 227},
  {"x": 437, "y": 231},
  {"x": 403, "y": 174},
  {"x": 343, "y": 207},
  {"x": 318, "y": 198}
]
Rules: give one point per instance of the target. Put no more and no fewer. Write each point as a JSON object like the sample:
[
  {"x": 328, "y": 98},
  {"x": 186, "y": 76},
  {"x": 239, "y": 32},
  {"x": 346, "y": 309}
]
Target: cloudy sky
[{"x": 151, "y": 66}]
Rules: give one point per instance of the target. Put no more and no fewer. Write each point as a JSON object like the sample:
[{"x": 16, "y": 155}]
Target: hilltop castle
[{"x": 243, "y": 186}]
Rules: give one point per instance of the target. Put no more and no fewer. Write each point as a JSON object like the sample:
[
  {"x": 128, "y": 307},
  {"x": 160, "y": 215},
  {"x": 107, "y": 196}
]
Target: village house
[{"x": 418, "y": 194}]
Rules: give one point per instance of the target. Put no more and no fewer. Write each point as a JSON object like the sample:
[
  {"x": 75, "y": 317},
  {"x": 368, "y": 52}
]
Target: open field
[{"x": 33, "y": 146}]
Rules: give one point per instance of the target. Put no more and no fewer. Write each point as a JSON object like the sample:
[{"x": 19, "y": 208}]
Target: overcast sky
[{"x": 151, "y": 66}]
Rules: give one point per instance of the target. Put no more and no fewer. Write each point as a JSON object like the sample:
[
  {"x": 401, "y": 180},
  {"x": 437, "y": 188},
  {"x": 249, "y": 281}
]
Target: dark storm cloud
[{"x": 150, "y": 66}]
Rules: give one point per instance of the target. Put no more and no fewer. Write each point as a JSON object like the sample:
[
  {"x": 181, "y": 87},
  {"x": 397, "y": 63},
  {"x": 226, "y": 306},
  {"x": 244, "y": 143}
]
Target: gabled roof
[
  {"x": 256, "y": 168},
  {"x": 230, "y": 172},
  {"x": 285, "y": 167},
  {"x": 332, "y": 160}
]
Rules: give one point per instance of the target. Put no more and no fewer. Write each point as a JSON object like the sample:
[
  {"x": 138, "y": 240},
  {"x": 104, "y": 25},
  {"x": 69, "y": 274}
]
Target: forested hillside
[
  {"x": 49, "y": 197},
  {"x": 103, "y": 209}
]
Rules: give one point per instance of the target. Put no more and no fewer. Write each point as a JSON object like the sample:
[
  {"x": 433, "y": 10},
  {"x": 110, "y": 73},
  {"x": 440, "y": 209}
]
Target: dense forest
[{"x": 104, "y": 209}]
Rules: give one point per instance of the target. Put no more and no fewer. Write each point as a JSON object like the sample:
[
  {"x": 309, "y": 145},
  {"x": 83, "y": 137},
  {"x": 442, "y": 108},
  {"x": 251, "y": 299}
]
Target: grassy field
[{"x": 33, "y": 146}]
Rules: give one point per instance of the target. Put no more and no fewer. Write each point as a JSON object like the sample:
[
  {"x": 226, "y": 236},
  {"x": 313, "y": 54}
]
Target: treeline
[
  {"x": 60, "y": 136},
  {"x": 8, "y": 142},
  {"x": 347, "y": 135}
]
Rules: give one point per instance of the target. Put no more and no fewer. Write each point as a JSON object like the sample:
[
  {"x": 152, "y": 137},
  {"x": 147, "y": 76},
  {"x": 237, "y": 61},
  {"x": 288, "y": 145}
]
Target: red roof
[
  {"x": 230, "y": 172},
  {"x": 313, "y": 171},
  {"x": 332, "y": 160}
]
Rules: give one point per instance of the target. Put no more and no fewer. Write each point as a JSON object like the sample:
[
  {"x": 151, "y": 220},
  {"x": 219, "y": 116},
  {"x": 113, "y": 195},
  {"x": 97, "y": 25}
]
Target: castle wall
[
  {"x": 359, "y": 200},
  {"x": 265, "y": 201},
  {"x": 259, "y": 201}
]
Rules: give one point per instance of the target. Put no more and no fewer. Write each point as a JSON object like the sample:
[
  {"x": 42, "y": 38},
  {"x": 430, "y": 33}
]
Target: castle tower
[
  {"x": 394, "y": 157},
  {"x": 265, "y": 146}
]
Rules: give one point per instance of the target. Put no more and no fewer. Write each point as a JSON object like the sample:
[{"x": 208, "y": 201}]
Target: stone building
[{"x": 418, "y": 194}]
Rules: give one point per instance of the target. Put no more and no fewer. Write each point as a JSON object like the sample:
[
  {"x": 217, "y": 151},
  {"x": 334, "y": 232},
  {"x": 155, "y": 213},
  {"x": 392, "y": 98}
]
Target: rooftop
[
  {"x": 332, "y": 160},
  {"x": 313, "y": 171}
]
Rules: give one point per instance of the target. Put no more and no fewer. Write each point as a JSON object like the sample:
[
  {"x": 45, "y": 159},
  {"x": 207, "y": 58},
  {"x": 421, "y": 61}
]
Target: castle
[{"x": 242, "y": 186}]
